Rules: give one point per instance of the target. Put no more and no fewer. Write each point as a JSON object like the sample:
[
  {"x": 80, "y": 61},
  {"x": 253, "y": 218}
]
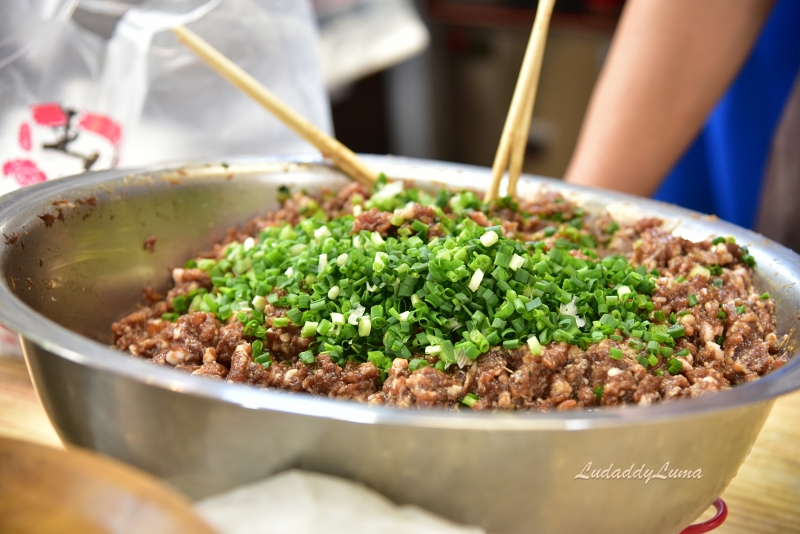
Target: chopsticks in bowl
[
  {"x": 511, "y": 150},
  {"x": 341, "y": 156}
]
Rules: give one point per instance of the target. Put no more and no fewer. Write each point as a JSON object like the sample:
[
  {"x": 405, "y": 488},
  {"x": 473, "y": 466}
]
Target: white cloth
[{"x": 300, "y": 502}]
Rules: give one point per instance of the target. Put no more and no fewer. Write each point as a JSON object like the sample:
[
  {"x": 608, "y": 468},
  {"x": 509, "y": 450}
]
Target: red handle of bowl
[{"x": 711, "y": 524}]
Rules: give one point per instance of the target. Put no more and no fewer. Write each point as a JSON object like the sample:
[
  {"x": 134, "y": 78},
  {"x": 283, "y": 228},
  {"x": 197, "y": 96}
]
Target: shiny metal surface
[{"x": 67, "y": 278}]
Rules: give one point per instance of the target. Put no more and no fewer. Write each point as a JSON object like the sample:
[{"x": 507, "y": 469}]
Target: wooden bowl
[{"x": 45, "y": 490}]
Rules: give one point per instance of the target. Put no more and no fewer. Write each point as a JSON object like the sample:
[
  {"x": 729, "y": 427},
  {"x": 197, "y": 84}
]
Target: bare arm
[{"x": 669, "y": 63}]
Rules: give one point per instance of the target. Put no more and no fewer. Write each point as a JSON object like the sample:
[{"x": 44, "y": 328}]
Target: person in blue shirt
[{"x": 699, "y": 104}]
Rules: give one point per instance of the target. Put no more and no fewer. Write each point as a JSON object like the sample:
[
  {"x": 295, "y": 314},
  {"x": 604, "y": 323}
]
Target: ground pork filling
[{"x": 729, "y": 327}]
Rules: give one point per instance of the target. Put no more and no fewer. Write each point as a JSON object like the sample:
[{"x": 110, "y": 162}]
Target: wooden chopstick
[
  {"x": 519, "y": 143},
  {"x": 341, "y": 156},
  {"x": 511, "y": 150}
]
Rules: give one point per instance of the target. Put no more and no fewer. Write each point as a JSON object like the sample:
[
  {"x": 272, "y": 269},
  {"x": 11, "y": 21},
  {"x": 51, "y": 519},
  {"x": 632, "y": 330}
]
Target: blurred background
[
  {"x": 450, "y": 101},
  {"x": 434, "y": 78}
]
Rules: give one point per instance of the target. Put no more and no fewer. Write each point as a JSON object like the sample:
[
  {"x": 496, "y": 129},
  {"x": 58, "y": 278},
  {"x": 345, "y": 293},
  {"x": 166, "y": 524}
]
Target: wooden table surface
[{"x": 764, "y": 498}]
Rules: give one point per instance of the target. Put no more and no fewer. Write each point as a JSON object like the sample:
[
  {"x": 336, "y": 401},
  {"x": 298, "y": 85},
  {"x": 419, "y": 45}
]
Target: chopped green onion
[
  {"x": 264, "y": 359},
  {"x": 699, "y": 270},
  {"x": 516, "y": 262},
  {"x": 416, "y": 363},
  {"x": 364, "y": 326},
  {"x": 295, "y": 315},
  {"x": 454, "y": 296},
  {"x": 309, "y": 329},
  {"x": 307, "y": 357},
  {"x": 637, "y": 345},
  {"x": 676, "y": 331},
  {"x": 470, "y": 399},
  {"x": 206, "y": 264},
  {"x": 180, "y": 304},
  {"x": 324, "y": 327},
  {"x": 489, "y": 238},
  {"x": 477, "y": 278},
  {"x": 674, "y": 366}
]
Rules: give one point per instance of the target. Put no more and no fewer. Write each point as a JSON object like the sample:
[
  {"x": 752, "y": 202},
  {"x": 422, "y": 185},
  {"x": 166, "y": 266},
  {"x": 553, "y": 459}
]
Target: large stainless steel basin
[{"x": 73, "y": 262}]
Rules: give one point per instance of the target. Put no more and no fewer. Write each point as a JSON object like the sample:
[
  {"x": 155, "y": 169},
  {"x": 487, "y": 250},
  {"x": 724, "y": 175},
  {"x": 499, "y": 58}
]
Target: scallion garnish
[
  {"x": 469, "y": 399},
  {"x": 417, "y": 363},
  {"x": 447, "y": 288},
  {"x": 676, "y": 331},
  {"x": 674, "y": 366}
]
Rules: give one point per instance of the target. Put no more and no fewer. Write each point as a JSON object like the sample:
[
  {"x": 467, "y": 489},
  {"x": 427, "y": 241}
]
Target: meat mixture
[{"x": 593, "y": 313}]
